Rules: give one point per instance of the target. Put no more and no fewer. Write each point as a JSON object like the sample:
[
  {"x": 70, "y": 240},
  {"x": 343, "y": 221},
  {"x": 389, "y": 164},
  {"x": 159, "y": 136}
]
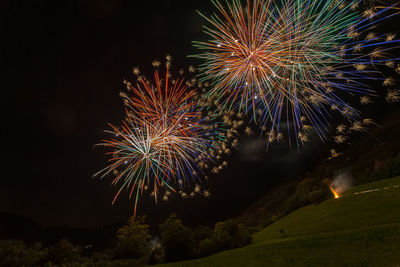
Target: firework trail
[{"x": 294, "y": 62}]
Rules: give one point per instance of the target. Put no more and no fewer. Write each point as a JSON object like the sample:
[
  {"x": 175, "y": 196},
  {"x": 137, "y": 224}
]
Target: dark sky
[{"x": 63, "y": 67}]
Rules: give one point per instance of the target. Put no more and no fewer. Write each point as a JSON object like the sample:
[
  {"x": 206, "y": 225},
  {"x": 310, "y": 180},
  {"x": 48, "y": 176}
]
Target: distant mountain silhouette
[{"x": 16, "y": 227}]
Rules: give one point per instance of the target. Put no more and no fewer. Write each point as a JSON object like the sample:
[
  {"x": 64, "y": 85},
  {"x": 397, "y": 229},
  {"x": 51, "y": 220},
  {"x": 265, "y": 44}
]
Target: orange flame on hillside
[{"x": 334, "y": 192}]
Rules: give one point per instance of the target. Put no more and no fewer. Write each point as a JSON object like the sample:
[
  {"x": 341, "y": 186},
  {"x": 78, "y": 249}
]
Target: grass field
[{"x": 358, "y": 229}]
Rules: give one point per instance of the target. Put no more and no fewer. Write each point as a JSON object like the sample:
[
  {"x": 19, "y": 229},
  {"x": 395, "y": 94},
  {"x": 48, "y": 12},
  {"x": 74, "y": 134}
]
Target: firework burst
[
  {"x": 165, "y": 138},
  {"x": 284, "y": 61}
]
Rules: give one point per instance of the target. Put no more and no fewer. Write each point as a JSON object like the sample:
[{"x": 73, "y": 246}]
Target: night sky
[{"x": 63, "y": 67}]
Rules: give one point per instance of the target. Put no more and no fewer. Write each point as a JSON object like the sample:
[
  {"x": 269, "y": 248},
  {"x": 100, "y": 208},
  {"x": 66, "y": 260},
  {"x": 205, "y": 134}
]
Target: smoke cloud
[{"x": 342, "y": 182}]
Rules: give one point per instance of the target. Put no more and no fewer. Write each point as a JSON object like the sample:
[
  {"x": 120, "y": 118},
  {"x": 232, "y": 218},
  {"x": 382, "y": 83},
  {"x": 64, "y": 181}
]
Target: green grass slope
[{"x": 362, "y": 228}]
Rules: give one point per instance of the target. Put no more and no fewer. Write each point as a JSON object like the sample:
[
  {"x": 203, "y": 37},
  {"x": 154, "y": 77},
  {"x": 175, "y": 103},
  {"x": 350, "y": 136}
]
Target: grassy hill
[{"x": 362, "y": 228}]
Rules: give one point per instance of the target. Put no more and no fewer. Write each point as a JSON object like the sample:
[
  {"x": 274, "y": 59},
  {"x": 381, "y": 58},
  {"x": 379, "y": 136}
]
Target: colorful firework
[
  {"x": 168, "y": 101},
  {"x": 294, "y": 59},
  {"x": 140, "y": 156},
  {"x": 165, "y": 139}
]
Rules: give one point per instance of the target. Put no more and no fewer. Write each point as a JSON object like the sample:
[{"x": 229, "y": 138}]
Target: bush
[
  {"x": 317, "y": 196},
  {"x": 222, "y": 237},
  {"x": 386, "y": 171},
  {"x": 390, "y": 168},
  {"x": 15, "y": 253},
  {"x": 396, "y": 166},
  {"x": 157, "y": 255},
  {"x": 133, "y": 240},
  {"x": 303, "y": 189},
  {"x": 308, "y": 192},
  {"x": 230, "y": 234},
  {"x": 306, "y": 186},
  {"x": 102, "y": 256},
  {"x": 290, "y": 205},
  {"x": 63, "y": 252},
  {"x": 178, "y": 240},
  {"x": 203, "y": 232}
]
